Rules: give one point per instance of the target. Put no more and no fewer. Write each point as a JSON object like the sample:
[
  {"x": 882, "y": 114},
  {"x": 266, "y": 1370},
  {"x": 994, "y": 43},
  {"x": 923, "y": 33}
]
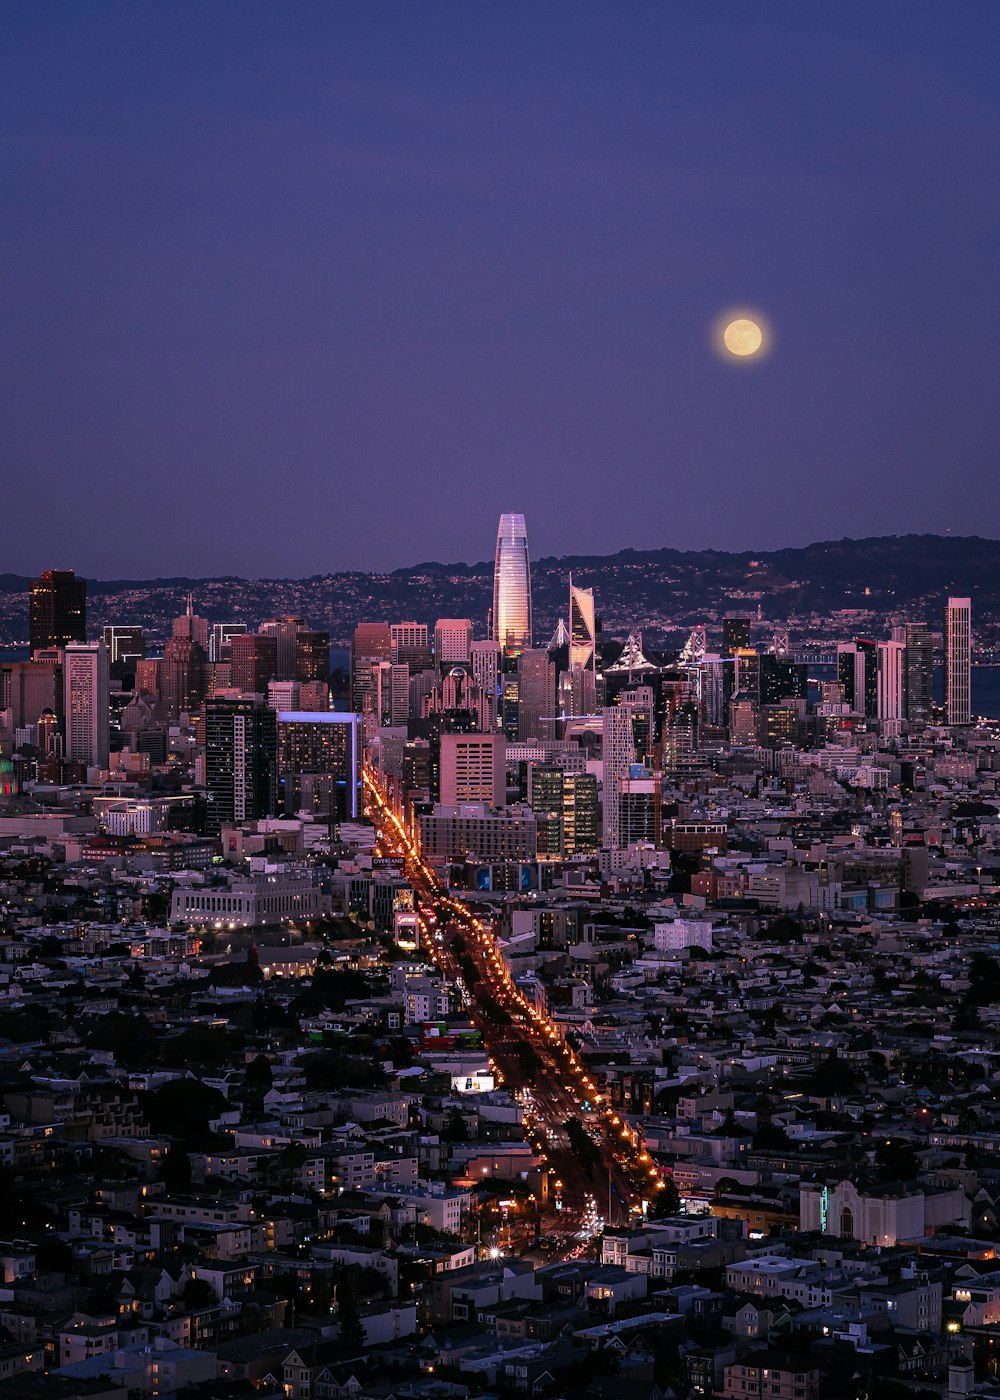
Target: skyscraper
[
  {"x": 452, "y": 641},
  {"x": 220, "y": 641},
  {"x": 371, "y": 643},
  {"x": 536, "y": 695},
  {"x": 240, "y": 760},
  {"x": 85, "y": 678},
  {"x": 958, "y": 661},
  {"x": 891, "y": 680},
  {"x": 58, "y": 609},
  {"x": 319, "y": 763},
  {"x": 254, "y": 662},
  {"x": 919, "y": 672},
  {"x": 582, "y": 628},
  {"x": 126, "y": 646},
  {"x": 735, "y": 633},
  {"x": 512, "y": 586},
  {"x": 486, "y": 672},
  {"x": 285, "y": 631},
  {"x": 619, "y": 755}
]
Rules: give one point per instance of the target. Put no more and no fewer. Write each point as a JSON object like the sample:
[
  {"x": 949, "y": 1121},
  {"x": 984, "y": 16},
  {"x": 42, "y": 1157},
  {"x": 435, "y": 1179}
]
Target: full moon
[{"x": 743, "y": 337}]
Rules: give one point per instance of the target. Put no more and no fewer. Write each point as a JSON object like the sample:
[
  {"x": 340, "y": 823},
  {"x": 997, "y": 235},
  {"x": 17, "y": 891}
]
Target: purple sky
[{"x": 296, "y": 287}]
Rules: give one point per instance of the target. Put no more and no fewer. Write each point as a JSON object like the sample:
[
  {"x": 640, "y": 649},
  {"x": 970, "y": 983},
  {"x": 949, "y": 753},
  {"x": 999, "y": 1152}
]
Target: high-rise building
[
  {"x": 411, "y": 645},
  {"x": 958, "y": 661},
  {"x": 240, "y": 760},
  {"x": 735, "y": 634},
  {"x": 371, "y": 643},
  {"x": 126, "y": 646},
  {"x": 253, "y": 662},
  {"x": 536, "y": 695},
  {"x": 85, "y": 681},
  {"x": 473, "y": 769},
  {"x": 222, "y": 634},
  {"x": 390, "y": 692},
  {"x": 452, "y": 641},
  {"x": 890, "y": 680},
  {"x": 312, "y": 655},
  {"x": 582, "y": 628},
  {"x": 511, "y": 616},
  {"x": 919, "y": 672},
  {"x": 29, "y": 688},
  {"x": 781, "y": 679},
  {"x": 182, "y": 675},
  {"x": 319, "y": 763},
  {"x": 57, "y": 609},
  {"x": 618, "y": 758},
  {"x": 192, "y": 627},
  {"x": 285, "y": 631},
  {"x": 486, "y": 666},
  {"x": 581, "y": 826}
]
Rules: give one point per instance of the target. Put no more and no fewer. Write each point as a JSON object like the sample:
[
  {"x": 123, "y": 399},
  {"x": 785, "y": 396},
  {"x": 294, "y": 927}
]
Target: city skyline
[{"x": 259, "y": 261}]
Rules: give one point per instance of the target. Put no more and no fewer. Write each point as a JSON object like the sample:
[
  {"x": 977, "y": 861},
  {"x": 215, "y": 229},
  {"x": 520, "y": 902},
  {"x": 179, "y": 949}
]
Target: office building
[
  {"x": 581, "y": 814},
  {"x": 486, "y": 669},
  {"x": 411, "y": 645},
  {"x": 639, "y": 809},
  {"x": 284, "y": 695},
  {"x": 285, "y": 631},
  {"x": 919, "y": 642},
  {"x": 618, "y": 760},
  {"x": 126, "y": 646},
  {"x": 890, "y": 680},
  {"x": 192, "y": 627},
  {"x": 57, "y": 609},
  {"x": 312, "y": 656},
  {"x": 29, "y": 688},
  {"x": 240, "y": 760},
  {"x": 452, "y": 641},
  {"x": 319, "y": 763},
  {"x": 473, "y": 833},
  {"x": 735, "y": 634},
  {"x": 221, "y": 636},
  {"x": 371, "y": 643},
  {"x": 511, "y": 616},
  {"x": 182, "y": 676},
  {"x": 473, "y": 769},
  {"x": 536, "y": 695},
  {"x": 781, "y": 679},
  {"x": 958, "y": 661},
  {"x": 253, "y": 662},
  {"x": 85, "y": 701},
  {"x": 389, "y": 695}
]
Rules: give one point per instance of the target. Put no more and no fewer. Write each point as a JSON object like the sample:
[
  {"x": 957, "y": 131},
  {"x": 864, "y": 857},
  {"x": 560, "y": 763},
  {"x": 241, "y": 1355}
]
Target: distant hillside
[{"x": 663, "y": 592}]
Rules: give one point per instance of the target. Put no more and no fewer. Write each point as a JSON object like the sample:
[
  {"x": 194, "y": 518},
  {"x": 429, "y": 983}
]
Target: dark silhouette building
[{"x": 58, "y": 609}]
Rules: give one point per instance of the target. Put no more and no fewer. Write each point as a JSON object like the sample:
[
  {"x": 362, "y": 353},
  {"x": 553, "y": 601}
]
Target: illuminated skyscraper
[
  {"x": 512, "y": 586},
  {"x": 958, "y": 661}
]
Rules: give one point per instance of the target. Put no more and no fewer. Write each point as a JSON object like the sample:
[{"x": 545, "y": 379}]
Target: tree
[
  {"x": 259, "y": 1075},
  {"x": 666, "y": 1201},
  {"x": 454, "y": 1129},
  {"x": 352, "y": 1332},
  {"x": 175, "y": 1169},
  {"x": 896, "y": 1160}
]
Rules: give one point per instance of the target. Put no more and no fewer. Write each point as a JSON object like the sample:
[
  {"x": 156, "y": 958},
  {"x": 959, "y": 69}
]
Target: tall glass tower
[{"x": 512, "y": 586}]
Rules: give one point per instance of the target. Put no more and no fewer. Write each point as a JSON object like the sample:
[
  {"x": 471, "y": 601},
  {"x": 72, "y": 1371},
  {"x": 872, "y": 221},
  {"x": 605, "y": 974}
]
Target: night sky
[{"x": 296, "y": 287}]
